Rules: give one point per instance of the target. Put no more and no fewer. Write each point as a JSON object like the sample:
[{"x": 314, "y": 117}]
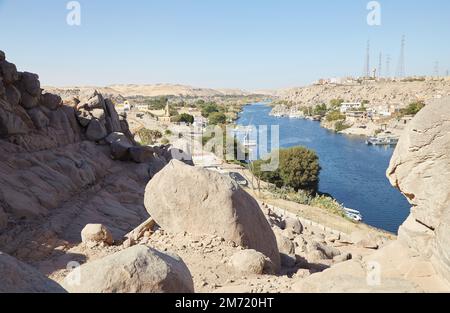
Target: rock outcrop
[
  {"x": 182, "y": 198},
  {"x": 18, "y": 277},
  {"x": 57, "y": 170},
  {"x": 135, "y": 270},
  {"x": 420, "y": 169}
]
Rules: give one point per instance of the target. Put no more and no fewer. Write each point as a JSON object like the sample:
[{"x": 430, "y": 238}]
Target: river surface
[{"x": 352, "y": 172}]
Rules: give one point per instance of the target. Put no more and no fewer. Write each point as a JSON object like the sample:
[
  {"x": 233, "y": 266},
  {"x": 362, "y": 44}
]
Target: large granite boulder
[
  {"x": 2, "y": 88},
  {"x": 10, "y": 122},
  {"x": 29, "y": 82},
  {"x": 3, "y": 219},
  {"x": 9, "y": 72},
  {"x": 420, "y": 168},
  {"x": 135, "y": 270},
  {"x": 18, "y": 277},
  {"x": 251, "y": 262},
  {"x": 182, "y": 198},
  {"x": 13, "y": 95},
  {"x": 51, "y": 101},
  {"x": 96, "y": 234},
  {"x": 96, "y": 130}
]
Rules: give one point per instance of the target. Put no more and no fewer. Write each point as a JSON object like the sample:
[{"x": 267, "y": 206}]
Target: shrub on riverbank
[
  {"x": 305, "y": 198},
  {"x": 341, "y": 126},
  {"x": 298, "y": 169},
  {"x": 413, "y": 108},
  {"x": 335, "y": 116}
]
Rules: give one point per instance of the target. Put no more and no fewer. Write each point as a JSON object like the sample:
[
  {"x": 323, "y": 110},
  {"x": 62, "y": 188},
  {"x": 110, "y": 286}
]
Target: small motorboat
[{"x": 353, "y": 214}]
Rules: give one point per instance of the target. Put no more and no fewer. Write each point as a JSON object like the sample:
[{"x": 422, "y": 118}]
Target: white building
[{"x": 348, "y": 106}]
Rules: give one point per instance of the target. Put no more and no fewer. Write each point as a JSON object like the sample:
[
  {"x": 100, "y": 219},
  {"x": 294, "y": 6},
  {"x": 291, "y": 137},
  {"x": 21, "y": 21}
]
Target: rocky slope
[{"x": 377, "y": 93}]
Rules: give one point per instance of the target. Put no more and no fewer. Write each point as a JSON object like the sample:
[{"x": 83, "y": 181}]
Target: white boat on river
[{"x": 353, "y": 214}]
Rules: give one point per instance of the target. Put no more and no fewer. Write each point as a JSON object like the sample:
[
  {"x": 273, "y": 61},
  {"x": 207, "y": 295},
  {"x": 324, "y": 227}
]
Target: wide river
[{"x": 352, "y": 172}]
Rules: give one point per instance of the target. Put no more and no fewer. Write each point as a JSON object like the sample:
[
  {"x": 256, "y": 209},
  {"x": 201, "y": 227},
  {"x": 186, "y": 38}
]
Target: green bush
[
  {"x": 336, "y": 103},
  {"x": 208, "y": 109},
  {"x": 298, "y": 169},
  {"x": 320, "y": 109},
  {"x": 217, "y": 118},
  {"x": 413, "y": 108},
  {"x": 158, "y": 103},
  {"x": 184, "y": 118},
  {"x": 341, "y": 126},
  {"x": 149, "y": 137},
  {"x": 335, "y": 116},
  {"x": 327, "y": 203},
  {"x": 165, "y": 141},
  {"x": 306, "y": 198}
]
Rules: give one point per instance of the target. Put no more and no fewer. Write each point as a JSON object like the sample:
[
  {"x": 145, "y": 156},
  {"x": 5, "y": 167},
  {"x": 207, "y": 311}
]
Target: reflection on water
[{"x": 353, "y": 172}]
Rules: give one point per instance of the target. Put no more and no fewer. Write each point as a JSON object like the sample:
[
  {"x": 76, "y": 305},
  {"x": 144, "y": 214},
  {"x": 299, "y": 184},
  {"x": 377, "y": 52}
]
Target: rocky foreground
[{"x": 83, "y": 208}]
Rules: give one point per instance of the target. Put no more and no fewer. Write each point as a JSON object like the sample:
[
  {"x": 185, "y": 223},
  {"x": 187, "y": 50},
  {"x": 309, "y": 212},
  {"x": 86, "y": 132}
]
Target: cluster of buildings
[
  {"x": 336, "y": 81},
  {"x": 356, "y": 111}
]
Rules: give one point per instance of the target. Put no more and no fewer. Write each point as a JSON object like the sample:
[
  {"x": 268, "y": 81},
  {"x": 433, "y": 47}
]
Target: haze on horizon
[{"x": 252, "y": 44}]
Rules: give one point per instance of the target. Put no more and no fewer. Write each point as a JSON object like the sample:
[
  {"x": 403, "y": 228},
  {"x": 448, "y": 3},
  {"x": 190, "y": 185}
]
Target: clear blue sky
[{"x": 219, "y": 43}]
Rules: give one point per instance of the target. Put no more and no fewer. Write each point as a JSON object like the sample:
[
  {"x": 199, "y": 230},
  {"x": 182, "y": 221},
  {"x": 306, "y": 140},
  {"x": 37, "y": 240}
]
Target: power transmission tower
[
  {"x": 367, "y": 65},
  {"x": 401, "y": 61},
  {"x": 380, "y": 65},
  {"x": 388, "y": 66},
  {"x": 436, "y": 69}
]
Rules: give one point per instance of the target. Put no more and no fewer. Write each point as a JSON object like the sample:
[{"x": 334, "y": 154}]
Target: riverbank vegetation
[
  {"x": 412, "y": 108},
  {"x": 296, "y": 179},
  {"x": 298, "y": 168},
  {"x": 314, "y": 200}
]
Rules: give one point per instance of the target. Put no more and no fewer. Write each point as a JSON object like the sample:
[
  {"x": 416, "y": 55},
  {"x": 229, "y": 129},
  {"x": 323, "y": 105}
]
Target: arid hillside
[
  {"x": 375, "y": 93},
  {"x": 132, "y": 90}
]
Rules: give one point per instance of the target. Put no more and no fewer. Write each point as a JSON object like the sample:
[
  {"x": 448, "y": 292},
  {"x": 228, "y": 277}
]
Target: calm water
[{"x": 352, "y": 172}]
